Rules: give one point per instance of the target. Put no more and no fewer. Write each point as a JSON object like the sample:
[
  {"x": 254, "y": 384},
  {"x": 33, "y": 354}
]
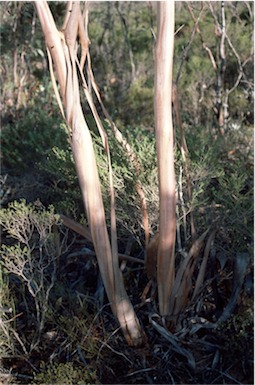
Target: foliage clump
[
  {"x": 32, "y": 253},
  {"x": 33, "y": 134},
  {"x": 40, "y": 310},
  {"x": 65, "y": 374},
  {"x": 7, "y": 310}
]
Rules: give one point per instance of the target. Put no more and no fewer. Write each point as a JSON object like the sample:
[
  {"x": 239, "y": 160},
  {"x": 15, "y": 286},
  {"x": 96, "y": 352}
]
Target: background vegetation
[{"x": 55, "y": 325}]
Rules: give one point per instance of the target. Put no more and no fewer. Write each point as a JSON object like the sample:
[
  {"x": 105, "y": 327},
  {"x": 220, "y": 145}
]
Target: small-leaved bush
[
  {"x": 28, "y": 139},
  {"x": 42, "y": 308},
  {"x": 30, "y": 253},
  {"x": 7, "y": 312},
  {"x": 221, "y": 176},
  {"x": 65, "y": 374}
]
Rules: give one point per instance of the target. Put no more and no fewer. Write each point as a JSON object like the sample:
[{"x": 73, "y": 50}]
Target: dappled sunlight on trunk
[
  {"x": 61, "y": 48},
  {"x": 165, "y": 153}
]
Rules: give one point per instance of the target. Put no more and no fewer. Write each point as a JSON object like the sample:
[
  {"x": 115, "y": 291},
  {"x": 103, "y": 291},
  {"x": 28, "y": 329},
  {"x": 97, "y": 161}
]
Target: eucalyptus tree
[
  {"x": 71, "y": 71},
  {"x": 62, "y": 48}
]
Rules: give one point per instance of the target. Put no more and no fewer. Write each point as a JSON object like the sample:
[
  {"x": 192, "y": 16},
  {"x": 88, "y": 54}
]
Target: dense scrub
[{"x": 55, "y": 323}]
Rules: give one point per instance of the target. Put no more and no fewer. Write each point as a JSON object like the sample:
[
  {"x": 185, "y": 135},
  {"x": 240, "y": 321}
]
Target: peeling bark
[{"x": 62, "y": 52}]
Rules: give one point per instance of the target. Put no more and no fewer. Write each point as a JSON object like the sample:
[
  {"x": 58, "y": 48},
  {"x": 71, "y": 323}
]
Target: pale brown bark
[
  {"x": 62, "y": 52},
  {"x": 165, "y": 152}
]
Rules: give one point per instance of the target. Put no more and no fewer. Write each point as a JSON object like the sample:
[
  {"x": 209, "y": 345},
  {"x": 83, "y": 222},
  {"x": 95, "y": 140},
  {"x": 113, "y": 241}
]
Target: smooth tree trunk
[
  {"x": 62, "y": 52},
  {"x": 165, "y": 152}
]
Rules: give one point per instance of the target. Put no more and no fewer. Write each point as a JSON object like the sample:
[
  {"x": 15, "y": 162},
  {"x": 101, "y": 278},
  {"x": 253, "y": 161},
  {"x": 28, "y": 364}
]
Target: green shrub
[
  {"x": 31, "y": 254},
  {"x": 65, "y": 374},
  {"x": 7, "y": 312},
  {"x": 32, "y": 286},
  {"x": 30, "y": 138},
  {"x": 222, "y": 184}
]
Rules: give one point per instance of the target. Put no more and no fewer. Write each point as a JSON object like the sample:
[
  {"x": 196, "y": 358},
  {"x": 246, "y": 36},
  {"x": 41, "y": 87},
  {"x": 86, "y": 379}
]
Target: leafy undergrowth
[{"x": 57, "y": 326}]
